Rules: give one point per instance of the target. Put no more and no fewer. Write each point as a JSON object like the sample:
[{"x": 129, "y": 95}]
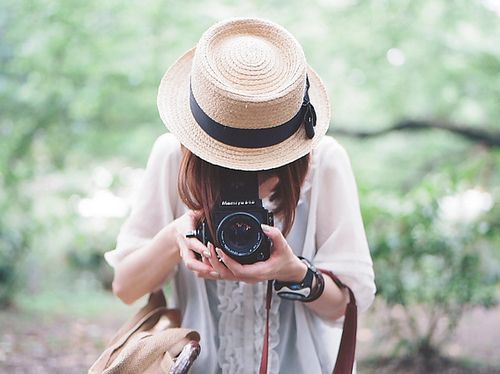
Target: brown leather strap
[
  {"x": 347, "y": 348},
  {"x": 265, "y": 344}
]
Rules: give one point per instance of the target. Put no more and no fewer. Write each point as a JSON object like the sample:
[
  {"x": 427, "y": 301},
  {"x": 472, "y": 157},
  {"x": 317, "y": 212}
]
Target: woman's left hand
[{"x": 282, "y": 265}]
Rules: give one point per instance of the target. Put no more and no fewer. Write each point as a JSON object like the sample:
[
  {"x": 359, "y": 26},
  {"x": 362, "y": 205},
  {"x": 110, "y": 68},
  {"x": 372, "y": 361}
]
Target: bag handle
[
  {"x": 347, "y": 348},
  {"x": 156, "y": 300},
  {"x": 156, "y": 306}
]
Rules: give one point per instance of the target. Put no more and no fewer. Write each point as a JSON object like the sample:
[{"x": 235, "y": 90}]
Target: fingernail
[
  {"x": 214, "y": 274},
  {"x": 265, "y": 228},
  {"x": 206, "y": 253},
  {"x": 219, "y": 252}
]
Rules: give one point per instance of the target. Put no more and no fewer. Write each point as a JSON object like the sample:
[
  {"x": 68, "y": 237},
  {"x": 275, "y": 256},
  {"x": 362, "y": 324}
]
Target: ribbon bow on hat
[{"x": 309, "y": 113}]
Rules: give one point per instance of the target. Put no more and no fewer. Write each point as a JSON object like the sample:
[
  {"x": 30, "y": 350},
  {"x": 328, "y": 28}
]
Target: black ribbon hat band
[{"x": 256, "y": 138}]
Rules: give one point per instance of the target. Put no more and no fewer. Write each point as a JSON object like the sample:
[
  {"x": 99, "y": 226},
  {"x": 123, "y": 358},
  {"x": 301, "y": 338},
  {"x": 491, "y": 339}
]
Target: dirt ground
[
  {"x": 31, "y": 344},
  {"x": 476, "y": 345}
]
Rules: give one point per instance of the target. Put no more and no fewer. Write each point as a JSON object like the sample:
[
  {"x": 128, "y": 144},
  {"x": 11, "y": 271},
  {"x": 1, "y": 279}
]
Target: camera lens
[{"x": 240, "y": 234}]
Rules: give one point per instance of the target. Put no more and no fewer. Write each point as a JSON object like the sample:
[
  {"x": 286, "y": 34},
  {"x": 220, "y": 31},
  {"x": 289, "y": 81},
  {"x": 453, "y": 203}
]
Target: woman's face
[{"x": 267, "y": 183}]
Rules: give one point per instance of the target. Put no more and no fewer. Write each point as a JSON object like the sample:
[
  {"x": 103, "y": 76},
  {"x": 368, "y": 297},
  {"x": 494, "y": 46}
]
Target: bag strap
[
  {"x": 156, "y": 300},
  {"x": 347, "y": 348}
]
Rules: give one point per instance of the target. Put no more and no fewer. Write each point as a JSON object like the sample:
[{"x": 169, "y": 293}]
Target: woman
[{"x": 245, "y": 99}]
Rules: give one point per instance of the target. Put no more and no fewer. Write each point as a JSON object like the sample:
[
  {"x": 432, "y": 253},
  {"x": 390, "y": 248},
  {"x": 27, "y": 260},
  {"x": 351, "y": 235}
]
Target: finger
[
  {"x": 181, "y": 243},
  {"x": 219, "y": 267},
  {"x": 196, "y": 265},
  {"x": 205, "y": 260},
  {"x": 213, "y": 275},
  {"x": 197, "y": 246},
  {"x": 189, "y": 257},
  {"x": 251, "y": 273},
  {"x": 234, "y": 267}
]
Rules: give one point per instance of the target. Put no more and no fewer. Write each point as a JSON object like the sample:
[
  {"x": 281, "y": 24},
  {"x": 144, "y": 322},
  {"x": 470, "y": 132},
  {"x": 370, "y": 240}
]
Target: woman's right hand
[{"x": 189, "y": 247}]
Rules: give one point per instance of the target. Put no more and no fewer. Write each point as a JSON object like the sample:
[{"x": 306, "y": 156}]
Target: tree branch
[{"x": 478, "y": 135}]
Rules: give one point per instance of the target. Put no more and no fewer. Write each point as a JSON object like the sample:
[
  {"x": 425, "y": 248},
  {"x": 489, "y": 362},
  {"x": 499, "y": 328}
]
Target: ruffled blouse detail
[{"x": 241, "y": 327}]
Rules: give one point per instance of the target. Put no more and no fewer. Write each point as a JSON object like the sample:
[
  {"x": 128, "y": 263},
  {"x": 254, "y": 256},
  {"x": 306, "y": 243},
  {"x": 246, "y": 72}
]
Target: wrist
[
  {"x": 297, "y": 271},
  {"x": 177, "y": 226},
  {"x": 308, "y": 289},
  {"x": 169, "y": 241}
]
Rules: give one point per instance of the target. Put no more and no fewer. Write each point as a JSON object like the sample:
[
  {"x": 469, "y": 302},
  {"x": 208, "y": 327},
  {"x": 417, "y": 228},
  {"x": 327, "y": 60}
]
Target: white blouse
[{"x": 230, "y": 316}]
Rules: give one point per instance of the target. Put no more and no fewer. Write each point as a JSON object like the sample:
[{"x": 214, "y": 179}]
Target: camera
[{"x": 237, "y": 217}]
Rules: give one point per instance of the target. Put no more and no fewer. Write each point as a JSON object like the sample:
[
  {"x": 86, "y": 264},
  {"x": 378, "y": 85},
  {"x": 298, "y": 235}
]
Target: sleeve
[
  {"x": 340, "y": 235},
  {"x": 155, "y": 202}
]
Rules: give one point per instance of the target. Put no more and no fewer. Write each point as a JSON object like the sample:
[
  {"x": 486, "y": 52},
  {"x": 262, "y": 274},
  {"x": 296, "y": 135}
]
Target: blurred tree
[
  {"x": 16, "y": 232},
  {"x": 435, "y": 258},
  {"x": 474, "y": 134},
  {"x": 78, "y": 85}
]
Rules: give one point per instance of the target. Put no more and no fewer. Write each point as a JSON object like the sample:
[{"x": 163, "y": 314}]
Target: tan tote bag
[{"x": 150, "y": 342}]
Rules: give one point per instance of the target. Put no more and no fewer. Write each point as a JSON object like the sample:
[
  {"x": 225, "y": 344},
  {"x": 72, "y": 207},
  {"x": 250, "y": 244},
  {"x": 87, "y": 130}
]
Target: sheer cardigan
[{"x": 229, "y": 316}]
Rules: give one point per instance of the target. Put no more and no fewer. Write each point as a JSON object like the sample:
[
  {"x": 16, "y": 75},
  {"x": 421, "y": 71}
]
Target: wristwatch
[{"x": 302, "y": 291}]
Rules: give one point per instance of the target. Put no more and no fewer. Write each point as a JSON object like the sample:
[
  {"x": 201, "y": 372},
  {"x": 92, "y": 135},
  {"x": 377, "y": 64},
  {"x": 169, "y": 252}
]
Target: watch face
[{"x": 295, "y": 286}]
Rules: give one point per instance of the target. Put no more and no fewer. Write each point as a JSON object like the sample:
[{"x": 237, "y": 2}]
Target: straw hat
[{"x": 244, "y": 97}]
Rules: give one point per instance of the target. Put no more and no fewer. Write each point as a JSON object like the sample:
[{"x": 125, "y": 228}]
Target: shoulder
[
  {"x": 166, "y": 149},
  {"x": 166, "y": 143},
  {"x": 330, "y": 154}
]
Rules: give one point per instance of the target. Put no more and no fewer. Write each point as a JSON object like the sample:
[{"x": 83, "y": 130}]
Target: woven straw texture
[{"x": 244, "y": 73}]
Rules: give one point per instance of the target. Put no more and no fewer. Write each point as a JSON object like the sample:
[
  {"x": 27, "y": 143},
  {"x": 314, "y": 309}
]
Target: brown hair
[{"x": 199, "y": 186}]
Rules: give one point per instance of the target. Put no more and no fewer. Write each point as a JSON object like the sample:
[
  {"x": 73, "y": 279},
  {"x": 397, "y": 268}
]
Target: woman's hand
[
  {"x": 282, "y": 264},
  {"x": 189, "y": 247}
]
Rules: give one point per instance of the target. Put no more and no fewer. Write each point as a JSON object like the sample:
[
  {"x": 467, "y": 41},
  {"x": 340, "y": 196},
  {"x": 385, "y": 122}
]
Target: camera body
[{"x": 237, "y": 217}]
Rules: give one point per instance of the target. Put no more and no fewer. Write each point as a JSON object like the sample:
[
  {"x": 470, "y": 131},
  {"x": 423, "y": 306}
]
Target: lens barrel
[{"x": 240, "y": 234}]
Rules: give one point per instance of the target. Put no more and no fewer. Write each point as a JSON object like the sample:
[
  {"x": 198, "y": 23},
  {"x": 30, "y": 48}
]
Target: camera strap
[
  {"x": 265, "y": 344},
  {"x": 347, "y": 348}
]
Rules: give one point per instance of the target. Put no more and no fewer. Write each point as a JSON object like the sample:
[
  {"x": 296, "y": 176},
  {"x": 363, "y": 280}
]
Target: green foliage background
[{"x": 78, "y": 82}]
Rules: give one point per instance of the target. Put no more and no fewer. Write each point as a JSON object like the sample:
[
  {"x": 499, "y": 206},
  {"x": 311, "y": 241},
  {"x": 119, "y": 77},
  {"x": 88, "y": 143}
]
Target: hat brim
[{"x": 175, "y": 112}]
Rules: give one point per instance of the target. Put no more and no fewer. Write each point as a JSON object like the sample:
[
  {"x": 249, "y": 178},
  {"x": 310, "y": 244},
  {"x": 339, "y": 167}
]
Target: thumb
[{"x": 273, "y": 233}]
